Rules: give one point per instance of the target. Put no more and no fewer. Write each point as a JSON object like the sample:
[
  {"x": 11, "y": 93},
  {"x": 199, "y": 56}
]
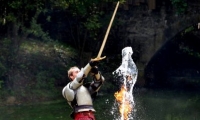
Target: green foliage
[
  {"x": 184, "y": 47},
  {"x": 180, "y": 5},
  {"x": 4, "y": 55},
  {"x": 21, "y": 20},
  {"x": 1, "y": 82},
  {"x": 25, "y": 14},
  {"x": 2, "y": 69},
  {"x": 189, "y": 29},
  {"x": 47, "y": 61},
  {"x": 190, "y": 51},
  {"x": 44, "y": 81},
  {"x": 89, "y": 12},
  {"x": 80, "y": 22},
  {"x": 37, "y": 31},
  {"x": 92, "y": 24},
  {"x": 18, "y": 10},
  {"x": 88, "y": 22}
]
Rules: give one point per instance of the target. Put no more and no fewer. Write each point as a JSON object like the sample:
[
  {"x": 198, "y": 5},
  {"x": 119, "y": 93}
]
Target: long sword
[{"x": 106, "y": 36}]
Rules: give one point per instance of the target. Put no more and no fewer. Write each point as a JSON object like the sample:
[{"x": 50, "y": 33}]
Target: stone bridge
[{"x": 147, "y": 33}]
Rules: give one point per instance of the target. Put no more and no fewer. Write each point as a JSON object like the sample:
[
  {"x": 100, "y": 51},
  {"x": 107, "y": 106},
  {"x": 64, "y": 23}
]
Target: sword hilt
[{"x": 98, "y": 58}]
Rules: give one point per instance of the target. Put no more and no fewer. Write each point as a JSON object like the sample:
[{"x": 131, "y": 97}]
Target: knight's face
[{"x": 74, "y": 73}]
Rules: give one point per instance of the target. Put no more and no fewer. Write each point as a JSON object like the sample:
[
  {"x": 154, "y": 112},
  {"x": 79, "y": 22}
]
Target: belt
[
  {"x": 85, "y": 113},
  {"x": 81, "y": 107}
]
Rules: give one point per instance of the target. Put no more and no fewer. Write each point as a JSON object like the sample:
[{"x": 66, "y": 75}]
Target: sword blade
[{"x": 106, "y": 35}]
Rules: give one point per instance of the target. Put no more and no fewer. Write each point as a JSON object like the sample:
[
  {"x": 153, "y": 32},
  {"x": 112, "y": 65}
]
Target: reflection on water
[{"x": 150, "y": 105}]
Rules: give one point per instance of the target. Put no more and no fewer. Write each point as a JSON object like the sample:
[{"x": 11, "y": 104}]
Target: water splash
[{"x": 126, "y": 75}]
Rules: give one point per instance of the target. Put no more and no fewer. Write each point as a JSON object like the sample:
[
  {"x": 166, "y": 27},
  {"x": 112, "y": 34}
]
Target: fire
[{"x": 125, "y": 106}]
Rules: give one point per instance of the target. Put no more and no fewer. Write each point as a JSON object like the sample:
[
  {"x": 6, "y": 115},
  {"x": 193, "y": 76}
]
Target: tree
[
  {"x": 18, "y": 20},
  {"x": 86, "y": 22}
]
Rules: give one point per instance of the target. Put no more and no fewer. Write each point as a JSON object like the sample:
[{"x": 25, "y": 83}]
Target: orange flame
[{"x": 124, "y": 104}]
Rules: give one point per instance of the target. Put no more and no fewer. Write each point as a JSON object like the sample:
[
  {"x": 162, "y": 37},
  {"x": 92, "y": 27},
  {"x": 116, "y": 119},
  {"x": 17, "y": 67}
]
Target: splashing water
[{"x": 126, "y": 75}]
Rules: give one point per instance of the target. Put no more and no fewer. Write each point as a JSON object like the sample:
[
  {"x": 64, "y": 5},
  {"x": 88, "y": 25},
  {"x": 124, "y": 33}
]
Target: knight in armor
[{"x": 80, "y": 95}]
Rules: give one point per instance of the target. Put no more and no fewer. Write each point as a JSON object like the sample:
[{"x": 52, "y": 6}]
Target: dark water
[
  {"x": 150, "y": 105},
  {"x": 168, "y": 105}
]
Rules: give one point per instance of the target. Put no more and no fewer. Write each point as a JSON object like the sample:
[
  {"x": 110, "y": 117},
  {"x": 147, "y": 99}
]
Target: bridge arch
[{"x": 177, "y": 63}]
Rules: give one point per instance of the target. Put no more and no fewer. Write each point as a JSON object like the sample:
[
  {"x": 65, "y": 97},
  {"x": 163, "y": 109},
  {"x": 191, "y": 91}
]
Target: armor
[{"x": 78, "y": 95}]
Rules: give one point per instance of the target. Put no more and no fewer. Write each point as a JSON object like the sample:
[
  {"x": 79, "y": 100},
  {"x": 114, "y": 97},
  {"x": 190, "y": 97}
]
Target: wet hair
[{"x": 70, "y": 71}]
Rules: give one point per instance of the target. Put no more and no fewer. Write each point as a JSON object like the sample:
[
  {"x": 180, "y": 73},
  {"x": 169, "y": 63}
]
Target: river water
[
  {"x": 167, "y": 105},
  {"x": 149, "y": 105}
]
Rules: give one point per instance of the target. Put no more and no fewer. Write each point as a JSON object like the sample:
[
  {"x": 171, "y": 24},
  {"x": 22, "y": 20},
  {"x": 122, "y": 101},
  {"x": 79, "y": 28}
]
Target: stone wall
[{"x": 147, "y": 30}]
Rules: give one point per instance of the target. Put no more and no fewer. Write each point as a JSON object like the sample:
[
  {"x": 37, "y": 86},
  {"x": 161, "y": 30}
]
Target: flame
[{"x": 125, "y": 106}]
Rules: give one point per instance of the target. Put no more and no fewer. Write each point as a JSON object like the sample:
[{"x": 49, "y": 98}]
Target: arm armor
[
  {"x": 78, "y": 81},
  {"x": 68, "y": 93},
  {"x": 96, "y": 83},
  {"x": 87, "y": 69}
]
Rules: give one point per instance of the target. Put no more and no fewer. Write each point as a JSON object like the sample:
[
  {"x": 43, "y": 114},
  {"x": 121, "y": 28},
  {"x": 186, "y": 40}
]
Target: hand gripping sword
[{"x": 106, "y": 36}]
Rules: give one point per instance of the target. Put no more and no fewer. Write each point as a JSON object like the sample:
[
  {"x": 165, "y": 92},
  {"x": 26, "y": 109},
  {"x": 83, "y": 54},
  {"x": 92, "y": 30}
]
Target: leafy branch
[{"x": 180, "y": 5}]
